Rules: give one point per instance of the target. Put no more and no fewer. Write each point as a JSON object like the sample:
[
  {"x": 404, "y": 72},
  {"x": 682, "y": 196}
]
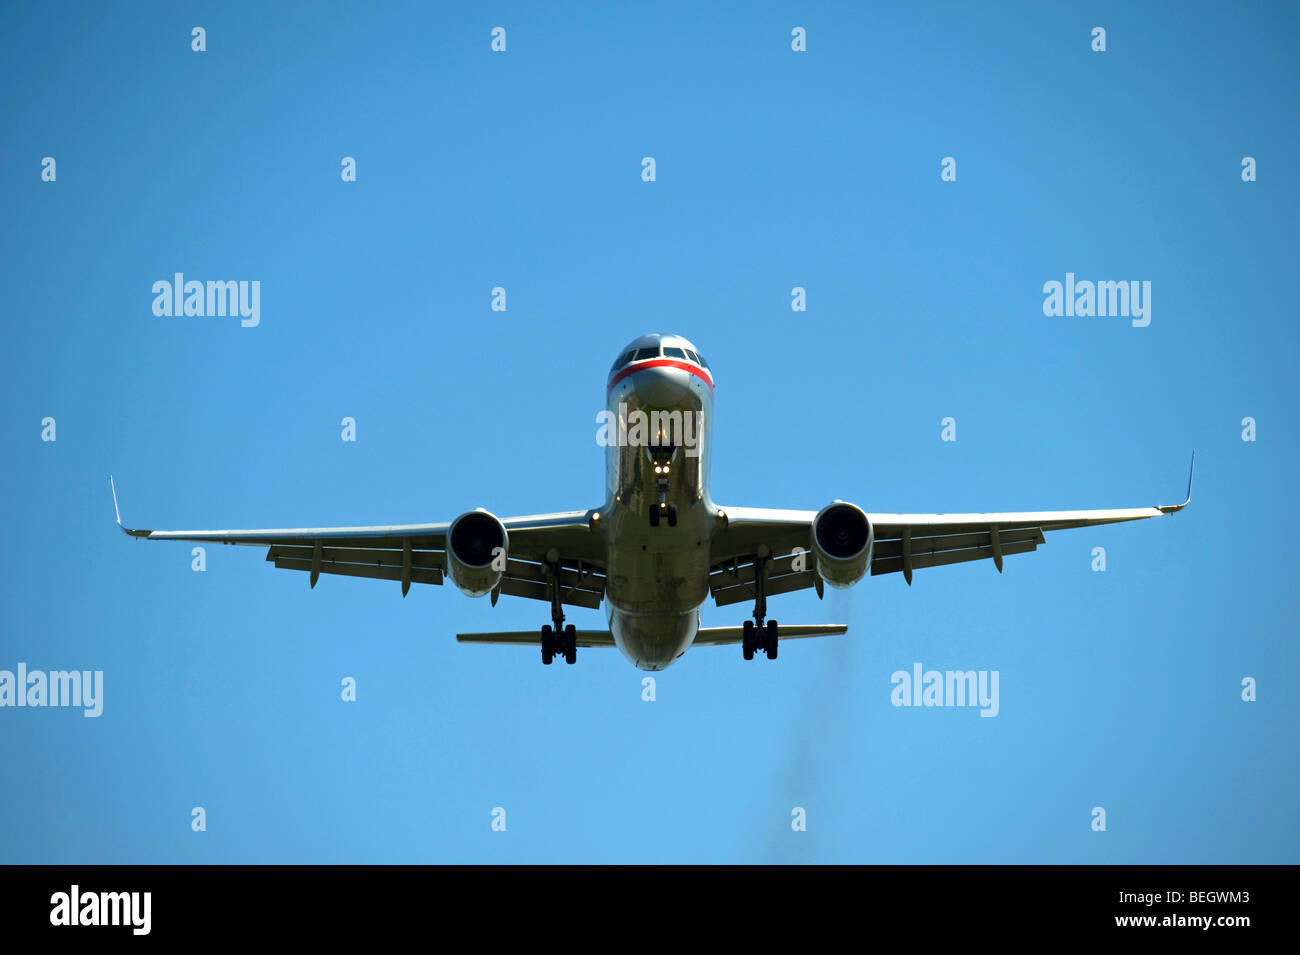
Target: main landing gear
[
  {"x": 761, "y": 637},
  {"x": 560, "y": 640},
  {"x": 755, "y": 634}
]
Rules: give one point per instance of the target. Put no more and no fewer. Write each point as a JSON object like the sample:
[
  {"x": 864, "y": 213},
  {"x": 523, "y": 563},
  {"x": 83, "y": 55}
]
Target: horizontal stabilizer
[
  {"x": 533, "y": 638},
  {"x": 706, "y": 637},
  {"x": 723, "y": 636}
]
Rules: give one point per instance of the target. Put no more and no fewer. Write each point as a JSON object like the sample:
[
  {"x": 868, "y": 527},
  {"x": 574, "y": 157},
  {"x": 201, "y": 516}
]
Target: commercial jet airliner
[{"x": 658, "y": 547}]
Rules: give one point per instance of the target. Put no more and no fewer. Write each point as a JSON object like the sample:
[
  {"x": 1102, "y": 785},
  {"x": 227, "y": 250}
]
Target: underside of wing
[
  {"x": 563, "y": 544},
  {"x": 582, "y": 584},
  {"x": 734, "y": 581},
  {"x": 909, "y": 542},
  {"x": 780, "y": 541}
]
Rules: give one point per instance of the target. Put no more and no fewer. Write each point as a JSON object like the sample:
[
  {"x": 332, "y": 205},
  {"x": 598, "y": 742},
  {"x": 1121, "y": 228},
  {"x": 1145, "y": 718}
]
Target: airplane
[{"x": 658, "y": 547}]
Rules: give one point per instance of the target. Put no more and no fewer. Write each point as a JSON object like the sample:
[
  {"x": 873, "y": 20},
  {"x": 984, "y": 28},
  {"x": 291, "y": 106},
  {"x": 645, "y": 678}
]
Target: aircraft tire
[{"x": 548, "y": 645}]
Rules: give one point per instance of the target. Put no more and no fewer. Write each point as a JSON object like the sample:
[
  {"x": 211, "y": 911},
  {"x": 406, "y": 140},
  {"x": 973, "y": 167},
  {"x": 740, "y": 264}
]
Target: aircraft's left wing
[
  {"x": 903, "y": 542},
  {"x": 416, "y": 553}
]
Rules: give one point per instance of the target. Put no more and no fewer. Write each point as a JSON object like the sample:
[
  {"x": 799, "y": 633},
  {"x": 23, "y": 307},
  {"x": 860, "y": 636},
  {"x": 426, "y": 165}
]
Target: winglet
[
  {"x": 1172, "y": 508},
  {"x": 125, "y": 530}
]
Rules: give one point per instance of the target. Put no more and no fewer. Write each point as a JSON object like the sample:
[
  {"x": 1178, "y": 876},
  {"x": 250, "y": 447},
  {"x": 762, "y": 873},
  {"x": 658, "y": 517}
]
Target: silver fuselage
[{"x": 658, "y": 577}]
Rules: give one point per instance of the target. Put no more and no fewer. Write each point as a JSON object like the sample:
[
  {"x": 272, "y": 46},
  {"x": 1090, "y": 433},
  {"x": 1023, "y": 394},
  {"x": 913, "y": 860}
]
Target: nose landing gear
[
  {"x": 661, "y": 458},
  {"x": 663, "y": 511}
]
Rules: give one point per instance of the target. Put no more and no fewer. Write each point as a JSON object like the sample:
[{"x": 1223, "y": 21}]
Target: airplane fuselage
[{"x": 657, "y": 574}]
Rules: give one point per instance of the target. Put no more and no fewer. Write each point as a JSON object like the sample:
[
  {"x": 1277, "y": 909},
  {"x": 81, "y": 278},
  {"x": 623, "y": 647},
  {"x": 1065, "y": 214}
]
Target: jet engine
[
  {"x": 842, "y": 538},
  {"x": 477, "y": 544}
]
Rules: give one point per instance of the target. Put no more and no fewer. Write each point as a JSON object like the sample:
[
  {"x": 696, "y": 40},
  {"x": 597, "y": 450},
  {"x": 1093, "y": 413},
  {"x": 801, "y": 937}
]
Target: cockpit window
[
  {"x": 622, "y": 360},
  {"x": 672, "y": 352},
  {"x": 703, "y": 363},
  {"x": 691, "y": 355},
  {"x": 643, "y": 353}
]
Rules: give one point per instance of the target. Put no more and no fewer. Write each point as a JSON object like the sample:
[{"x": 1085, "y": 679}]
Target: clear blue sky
[{"x": 775, "y": 169}]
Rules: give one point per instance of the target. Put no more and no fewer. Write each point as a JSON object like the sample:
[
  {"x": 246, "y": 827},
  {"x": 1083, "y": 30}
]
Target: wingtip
[
  {"x": 118, "y": 513},
  {"x": 1175, "y": 508}
]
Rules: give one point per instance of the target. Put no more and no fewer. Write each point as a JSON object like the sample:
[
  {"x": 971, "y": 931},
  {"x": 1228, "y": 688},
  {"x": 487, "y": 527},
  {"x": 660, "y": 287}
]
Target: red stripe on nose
[{"x": 636, "y": 366}]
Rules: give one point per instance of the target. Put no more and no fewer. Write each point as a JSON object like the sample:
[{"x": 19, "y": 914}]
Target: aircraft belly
[
  {"x": 646, "y": 582},
  {"x": 654, "y": 596}
]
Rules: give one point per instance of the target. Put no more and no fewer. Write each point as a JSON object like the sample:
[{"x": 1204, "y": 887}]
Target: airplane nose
[{"x": 663, "y": 386}]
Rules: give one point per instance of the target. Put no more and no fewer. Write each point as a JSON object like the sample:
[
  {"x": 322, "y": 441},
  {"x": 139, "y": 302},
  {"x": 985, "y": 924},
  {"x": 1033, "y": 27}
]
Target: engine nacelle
[
  {"x": 477, "y": 545},
  {"x": 842, "y": 539}
]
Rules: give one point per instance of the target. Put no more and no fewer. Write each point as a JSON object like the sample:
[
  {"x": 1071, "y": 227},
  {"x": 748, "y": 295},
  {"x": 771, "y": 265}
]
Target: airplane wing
[
  {"x": 416, "y": 553},
  {"x": 903, "y": 542}
]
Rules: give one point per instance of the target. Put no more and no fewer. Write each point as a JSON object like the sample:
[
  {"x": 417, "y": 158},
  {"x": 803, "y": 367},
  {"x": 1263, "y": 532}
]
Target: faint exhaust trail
[{"x": 815, "y": 743}]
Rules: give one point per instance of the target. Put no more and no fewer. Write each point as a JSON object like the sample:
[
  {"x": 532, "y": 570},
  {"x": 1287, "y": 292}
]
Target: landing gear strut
[
  {"x": 560, "y": 640},
  {"x": 661, "y": 458},
  {"x": 755, "y": 635}
]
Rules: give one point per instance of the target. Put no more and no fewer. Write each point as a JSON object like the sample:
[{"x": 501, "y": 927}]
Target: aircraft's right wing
[{"x": 416, "y": 553}]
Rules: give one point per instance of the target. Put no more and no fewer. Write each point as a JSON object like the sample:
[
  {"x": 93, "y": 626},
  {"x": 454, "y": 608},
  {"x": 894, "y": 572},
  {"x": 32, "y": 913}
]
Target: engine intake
[
  {"x": 477, "y": 544},
  {"x": 842, "y": 539}
]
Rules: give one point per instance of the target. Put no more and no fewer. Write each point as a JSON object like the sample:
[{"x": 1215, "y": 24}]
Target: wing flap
[
  {"x": 513, "y": 587},
  {"x": 725, "y": 593},
  {"x": 935, "y": 544},
  {"x": 889, "y": 565},
  {"x": 738, "y": 572},
  {"x": 419, "y": 575},
  {"x": 358, "y": 555},
  {"x": 581, "y": 585}
]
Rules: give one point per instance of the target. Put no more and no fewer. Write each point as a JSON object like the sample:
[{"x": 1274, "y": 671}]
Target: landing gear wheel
[
  {"x": 548, "y": 645},
  {"x": 747, "y": 644},
  {"x": 654, "y": 515},
  {"x": 769, "y": 645},
  {"x": 570, "y": 644},
  {"x": 672, "y": 516}
]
